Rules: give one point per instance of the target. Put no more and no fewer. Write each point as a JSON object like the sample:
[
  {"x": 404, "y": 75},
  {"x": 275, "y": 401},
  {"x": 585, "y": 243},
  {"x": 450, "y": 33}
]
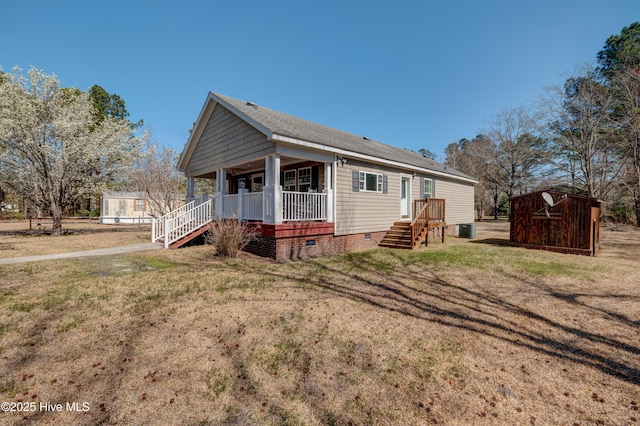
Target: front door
[{"x": 405, "y": 199}]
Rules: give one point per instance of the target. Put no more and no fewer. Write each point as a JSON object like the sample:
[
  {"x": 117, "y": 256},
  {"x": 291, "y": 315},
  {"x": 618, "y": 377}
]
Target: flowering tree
[{"x": 52, "y": 150}]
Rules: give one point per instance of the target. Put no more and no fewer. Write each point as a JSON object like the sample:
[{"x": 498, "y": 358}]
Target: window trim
[
  {"x": 424, "y": 187},
  {"x": 253, "y": 182},
  {"x": 291, "y": 187},
  {"x": 362, "y": 182},
  {"x": 135, "y": 205},
  {"x": 300, "y": 177}
]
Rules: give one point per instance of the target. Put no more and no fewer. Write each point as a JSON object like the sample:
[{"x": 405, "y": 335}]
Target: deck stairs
[
  {"x": 428, "y": 215},
  {"x": 399, "y": 236},
  {"x": 182, "y": 225}
]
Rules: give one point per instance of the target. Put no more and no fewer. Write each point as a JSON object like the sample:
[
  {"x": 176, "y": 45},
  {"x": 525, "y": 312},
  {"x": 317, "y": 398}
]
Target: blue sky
[{"x": 414, "y": 74}]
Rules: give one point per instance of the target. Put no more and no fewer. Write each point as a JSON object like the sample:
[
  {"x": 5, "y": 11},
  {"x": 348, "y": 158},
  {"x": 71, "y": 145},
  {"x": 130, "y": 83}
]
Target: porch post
[
  {"x": 277, "y": 199},
  {"x": 272, "y": 192},
  {"x": 268, "y": 166},
  {"x": 241, "y": 193},
  {"x": 190, "y": 194},
  {"x": 328, "y": 189},
  {"x": 221, "y": 178}
]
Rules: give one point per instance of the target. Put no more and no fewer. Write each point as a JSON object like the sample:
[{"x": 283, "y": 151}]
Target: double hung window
[
  {"x": 427, "y": 188},
  {"x": 304, "y": 179},
  {"x": 370, "y": 182},
  {"x": 289, "y": 183}
]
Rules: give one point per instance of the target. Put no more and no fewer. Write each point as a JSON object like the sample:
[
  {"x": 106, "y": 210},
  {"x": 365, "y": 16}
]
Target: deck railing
[
  {"x": 435, "y": 208},
  {"x": 426, "y": 211},
  {"x": 304, "y": 206}
]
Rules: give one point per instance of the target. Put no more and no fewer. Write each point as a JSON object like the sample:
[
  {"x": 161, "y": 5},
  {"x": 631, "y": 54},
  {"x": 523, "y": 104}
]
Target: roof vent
[{"x": 252, "y": 104}]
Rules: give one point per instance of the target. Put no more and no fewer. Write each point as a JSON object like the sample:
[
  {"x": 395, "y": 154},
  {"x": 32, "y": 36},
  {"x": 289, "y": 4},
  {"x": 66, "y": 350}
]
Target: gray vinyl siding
[
  {"x": 361, "y": 211},
  {"x": 226, "y": 141}
]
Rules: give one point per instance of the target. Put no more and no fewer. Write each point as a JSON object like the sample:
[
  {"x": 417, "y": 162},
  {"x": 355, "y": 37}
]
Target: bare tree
[
  {"x": 626, "y": 117},
  {"x": 155, "y": 175},
  {"x": 476, "y": 157},
  {"x": 521, "y": 151}
]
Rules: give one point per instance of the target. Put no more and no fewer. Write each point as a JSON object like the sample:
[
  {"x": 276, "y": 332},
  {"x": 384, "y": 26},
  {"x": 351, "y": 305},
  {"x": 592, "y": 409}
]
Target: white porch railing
[
  {"x": 301, "y": 206},
  {"x": 243, "y": 206},
  {"x": 181, "y": 222},
  {"x": 157, "y": 225},
  {"x": 230, "y": 206},
  {"x": 252, "y": 206},
  {"x": 296, "y": 206}
]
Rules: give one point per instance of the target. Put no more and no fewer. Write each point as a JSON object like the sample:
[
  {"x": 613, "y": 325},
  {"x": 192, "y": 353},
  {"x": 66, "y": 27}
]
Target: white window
[
  {"x": 370, "y": 182},
  {"x": 427, "y": 188},
  {"x": 139, "y": 205},
  {"x": 289, "y": 183},
  {"x": 257, "y": 182},
  {"x": 304, "y": 179}
]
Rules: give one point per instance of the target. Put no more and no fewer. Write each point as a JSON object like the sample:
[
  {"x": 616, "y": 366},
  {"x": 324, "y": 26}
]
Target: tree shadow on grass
[
  {"x": 418, "y": 291},
  {"x": 493, "y": 241}
]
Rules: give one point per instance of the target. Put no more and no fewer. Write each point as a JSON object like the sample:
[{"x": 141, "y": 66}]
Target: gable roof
[{"x": 278, "y": 126}]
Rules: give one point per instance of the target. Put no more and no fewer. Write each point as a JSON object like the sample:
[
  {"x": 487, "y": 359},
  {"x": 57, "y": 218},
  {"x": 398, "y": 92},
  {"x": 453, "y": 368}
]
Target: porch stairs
[
  {"x": 182, "y": 225},
  {"x": 428, "y": 214}
]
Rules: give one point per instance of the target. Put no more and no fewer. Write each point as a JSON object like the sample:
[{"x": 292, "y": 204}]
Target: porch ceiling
[{"x": 253, "y": 166}]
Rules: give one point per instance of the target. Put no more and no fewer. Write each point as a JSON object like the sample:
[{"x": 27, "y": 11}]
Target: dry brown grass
[
  {"x": 466, "y": 332},
  {"x": 17, "y": 239}
]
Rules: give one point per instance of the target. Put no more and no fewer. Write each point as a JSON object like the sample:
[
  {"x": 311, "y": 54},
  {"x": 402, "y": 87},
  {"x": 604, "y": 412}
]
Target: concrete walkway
[{"x": 73, "y": 255}]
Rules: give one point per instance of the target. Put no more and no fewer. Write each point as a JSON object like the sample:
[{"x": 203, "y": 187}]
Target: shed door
[{"x": 595, "y": 230}]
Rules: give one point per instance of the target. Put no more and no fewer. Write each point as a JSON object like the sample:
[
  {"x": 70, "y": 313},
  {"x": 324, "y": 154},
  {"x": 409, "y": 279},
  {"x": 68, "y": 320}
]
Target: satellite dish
[
  {"x": 548, "y": 199},
  {"x": 549, "y": 203}
]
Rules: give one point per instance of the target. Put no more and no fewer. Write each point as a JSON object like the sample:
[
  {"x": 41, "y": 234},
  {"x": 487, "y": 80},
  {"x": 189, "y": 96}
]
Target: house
[
  {"x": 134, "y": 207},
  {"x": 315, "y": 190},
  {"x": 556, "y": 221}
]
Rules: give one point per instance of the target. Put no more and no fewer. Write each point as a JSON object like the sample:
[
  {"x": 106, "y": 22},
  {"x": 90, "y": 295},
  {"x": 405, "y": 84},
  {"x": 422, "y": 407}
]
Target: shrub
[
  {"x": 619, "y": 212},
  {"x": 229, "y": 236}
]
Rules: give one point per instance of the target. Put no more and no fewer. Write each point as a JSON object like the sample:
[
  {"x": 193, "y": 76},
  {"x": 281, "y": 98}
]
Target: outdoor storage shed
[{"x": 556, "y": 221}]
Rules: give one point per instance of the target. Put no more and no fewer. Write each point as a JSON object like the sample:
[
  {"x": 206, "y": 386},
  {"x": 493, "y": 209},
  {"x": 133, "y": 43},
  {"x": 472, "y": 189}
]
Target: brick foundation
[
  {"x": 557, "y": 249},
  {"x": 296, "y": 241},
  {"x": 305, "y": 240}
]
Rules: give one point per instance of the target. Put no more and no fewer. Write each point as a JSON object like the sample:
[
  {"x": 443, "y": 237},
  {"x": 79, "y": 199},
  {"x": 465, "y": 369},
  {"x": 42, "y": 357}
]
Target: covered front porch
[{"x": 275, "y": 189}]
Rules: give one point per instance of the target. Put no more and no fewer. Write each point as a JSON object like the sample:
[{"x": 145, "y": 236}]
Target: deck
[{"x": 428, "y": 215}]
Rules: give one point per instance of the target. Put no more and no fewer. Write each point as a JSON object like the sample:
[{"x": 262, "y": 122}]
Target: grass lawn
[
  {"x": 466, "y": 332},
  {"x": 18, "y": 239}
]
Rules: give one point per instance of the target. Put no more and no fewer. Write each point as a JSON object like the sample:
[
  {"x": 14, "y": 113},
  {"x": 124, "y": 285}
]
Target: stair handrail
[
  {"x": 420, "y": 220},
  {"x": 432, "y": 211},
  {"x": 157, "y": 224},
  {"x": 190, "y": 220}
]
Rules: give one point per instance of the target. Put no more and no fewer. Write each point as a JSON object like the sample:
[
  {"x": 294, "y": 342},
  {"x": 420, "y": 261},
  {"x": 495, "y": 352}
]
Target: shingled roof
[{"x": 277, "y": 124}]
